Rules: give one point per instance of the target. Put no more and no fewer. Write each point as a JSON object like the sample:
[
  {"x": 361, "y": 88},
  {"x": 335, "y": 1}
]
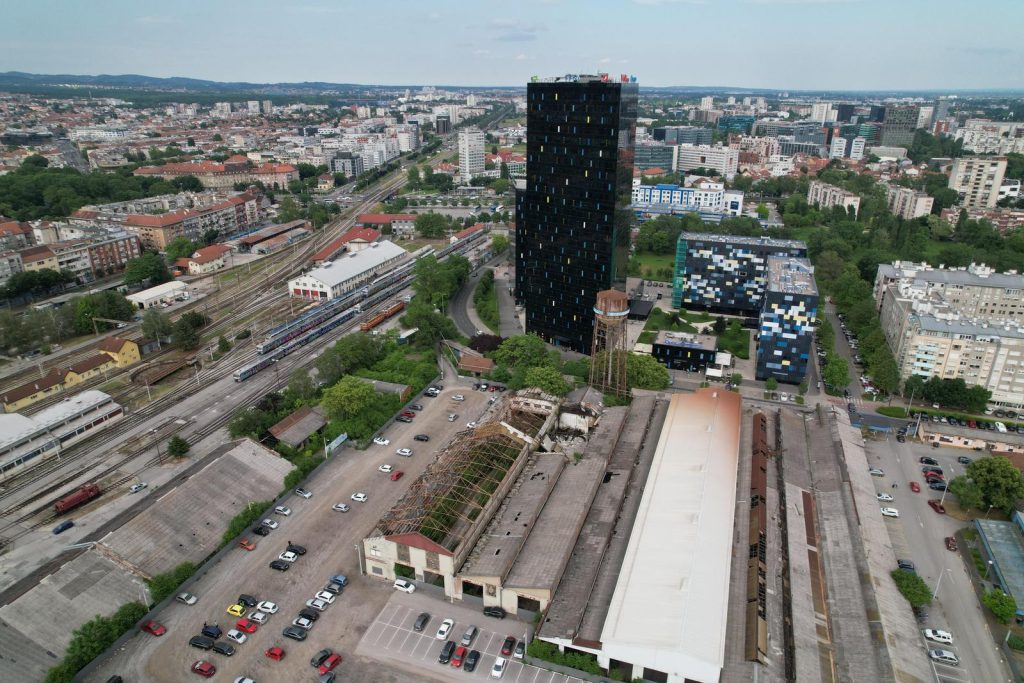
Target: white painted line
[{"x": 404, "y": 641}]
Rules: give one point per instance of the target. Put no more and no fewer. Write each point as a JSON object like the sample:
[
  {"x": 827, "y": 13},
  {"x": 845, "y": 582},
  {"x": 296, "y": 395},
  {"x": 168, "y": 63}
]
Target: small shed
[{"x": 296, "y": 429}]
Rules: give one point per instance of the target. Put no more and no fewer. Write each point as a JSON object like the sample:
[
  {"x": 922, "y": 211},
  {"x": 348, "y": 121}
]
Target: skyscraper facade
[
  {"x": 471, "y": 154},
  {"x": 572, "y": 219},
  {"x": 899, "y": 124}
]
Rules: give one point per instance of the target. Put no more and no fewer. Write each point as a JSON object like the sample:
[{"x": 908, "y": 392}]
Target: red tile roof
[
  {"x": 54, "y": 377},
  {"x": 469, "y": 231},
  {"x": 354, "y": 234},
  {"x": 416, "y": 540},
  {"x": 14, "y": 228},
  {"x": 90, "y": 363},
  {"x": 112, "y": 344},
  {"x": 33, "y": 254}
]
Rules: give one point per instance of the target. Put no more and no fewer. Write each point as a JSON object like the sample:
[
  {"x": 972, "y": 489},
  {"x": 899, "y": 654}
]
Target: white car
[
  {"x": 244, "y": 679},
  {"x": 258, "y": 617},
  {"x": 138, "y": 487},
  {"x": 452, "y": 417},
  {"x": 404, "y": 452},
  {"x": 404, "y": 586},
  {"x": 445, "y": 629},
  {"x": 325, "y": 596},
  {"x": 386, "y": 469},
  {"x": 282, "y": 510},
  {"x": 303, "y": 493},
  {"x": 471, "y": 425},
  {"x": 302, "y": 622},
  {"x": 890, "y": 512},
  {"x": 318, "y": 605},
  {"x": 884, "y": 497},
  {"x": 268, "y": 607},
  {"x": 270, "y": 524},
  {"x": 186, "y": 598},
  {"x": 340, "y": 507},
  {"x": 875, "y": 472},
  {"x": 288, "y": 556},
  {"x": 458, "y": 397},
  {"x": 359, "y": 497},
  {"x": 381, "y": 441},
  {"x": 944, "y": 637},
  {"x": 236, "y": 635},
  {"x": 498, "y": 670}
]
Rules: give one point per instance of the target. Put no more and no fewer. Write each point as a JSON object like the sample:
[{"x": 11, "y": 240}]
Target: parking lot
[
  {"x": 330, "y": 538},
  {"x": 391, "y": 638},
  {"x": 918, "y": 535}
]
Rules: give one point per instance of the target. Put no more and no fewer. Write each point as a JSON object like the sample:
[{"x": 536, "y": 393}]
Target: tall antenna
[{"x": 608, "y": 349}]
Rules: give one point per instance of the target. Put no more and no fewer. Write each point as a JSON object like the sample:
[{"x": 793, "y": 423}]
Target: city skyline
[{"x": 485, "y": 45}]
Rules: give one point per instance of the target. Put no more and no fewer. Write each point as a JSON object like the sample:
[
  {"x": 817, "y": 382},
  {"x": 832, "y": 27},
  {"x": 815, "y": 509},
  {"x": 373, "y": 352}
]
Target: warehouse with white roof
[{"x": 349, "y": 272}]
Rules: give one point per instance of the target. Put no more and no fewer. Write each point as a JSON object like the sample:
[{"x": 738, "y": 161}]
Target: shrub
[
  {"x": 1016, "y": 642},
  {"x": 580, "y": 661},
  {"x": 163, "y": 585},
  {"x": 1003, "y": 606},
  {"x": 93, "y": 637},
  {"x": 243, "y": 519},
  {"x": 177, "y": 446},
  {"x": 912, "y": 587}
]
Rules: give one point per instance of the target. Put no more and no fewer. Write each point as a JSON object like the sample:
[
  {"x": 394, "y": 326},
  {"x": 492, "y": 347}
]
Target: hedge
[
  {"x": 92, "y": 638},
  {"x": 163, "y": 585}
]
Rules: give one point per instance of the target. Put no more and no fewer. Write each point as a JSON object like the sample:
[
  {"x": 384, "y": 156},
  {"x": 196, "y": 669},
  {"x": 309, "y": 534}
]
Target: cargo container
[{"x": 82, "y": 495}]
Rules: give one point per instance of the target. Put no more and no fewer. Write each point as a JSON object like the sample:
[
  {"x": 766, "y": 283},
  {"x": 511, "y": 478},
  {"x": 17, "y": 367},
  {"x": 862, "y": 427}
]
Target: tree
[
  {"x": 347, "y": 398},
  {"x": 912, "y": 587},
  {"x": 736, "y": 379},
  {"x": 432, "y": 326},
  {"x": 431, "y": 225},
  {"x": 771, "y": 384},
  {"x": 177, "y": 447},
  {"x": 223, "y": 345},
  {"x": 414, "y": 177},
  {"x": 1002, "y": 605},
  {"x": 306, "y": 170},
  {"x": 485, "y": 343},
  {"x": 644, "y": 372},
  {"x": 523, "y": 350},
  {"x": 1000, "y": 483},
  {"x": 762, "y": 212},
  {"x": 300, "y": 385},
  {"x": 967, "y": 492},
  {"x": 146, "y": 268},
  {"x": 546, "y": 378},
  {"x": 185, "y": 334},
  {"x": 837, "y": 371},
  {"x": 180, "y": 247},
  {"x": 719, "y": 325},
  {"x": 499, "y": 243},
  {"x": 155, "y": 324}
]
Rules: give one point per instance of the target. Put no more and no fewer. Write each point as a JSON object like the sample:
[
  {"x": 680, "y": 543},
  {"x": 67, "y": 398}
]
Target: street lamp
[
  {"x": 986, "y": 514},
  {"x": 988, "y": 569}
]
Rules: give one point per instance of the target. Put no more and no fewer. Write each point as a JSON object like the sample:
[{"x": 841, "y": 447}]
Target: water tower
[{"x": 608, "y": 350}]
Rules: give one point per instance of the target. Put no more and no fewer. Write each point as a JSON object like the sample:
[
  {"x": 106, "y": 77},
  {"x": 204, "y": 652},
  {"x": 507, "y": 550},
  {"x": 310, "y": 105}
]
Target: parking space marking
[{"x": 405, "y": 640}]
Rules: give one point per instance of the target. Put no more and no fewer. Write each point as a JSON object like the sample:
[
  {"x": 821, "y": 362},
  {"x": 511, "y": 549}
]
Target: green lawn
[
  {"x": 655, "y": 266},
  {"x": 735, "y": 340},
  {"x": 660, "y": 320}
]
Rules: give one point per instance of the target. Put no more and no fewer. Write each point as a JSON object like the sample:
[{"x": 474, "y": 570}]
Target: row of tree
[{"x": 37, "y": 330}]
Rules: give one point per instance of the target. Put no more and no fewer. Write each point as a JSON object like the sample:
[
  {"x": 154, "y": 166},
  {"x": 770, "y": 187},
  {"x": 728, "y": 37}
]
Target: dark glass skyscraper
[{"x": 572, "y": 220}]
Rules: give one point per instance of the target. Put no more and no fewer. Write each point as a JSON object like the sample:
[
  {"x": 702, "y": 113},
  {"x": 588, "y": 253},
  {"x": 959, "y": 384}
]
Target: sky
[{"x": 775, "y": 44}]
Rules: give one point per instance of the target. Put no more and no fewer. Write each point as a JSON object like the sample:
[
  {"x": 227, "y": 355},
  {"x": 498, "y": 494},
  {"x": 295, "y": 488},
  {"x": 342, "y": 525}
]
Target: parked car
[
  {"x": 203, "y": 668},
  {"x": 939, "y": 636},
  {"x": 944, "y": 657},
  {"x": 915, "y": 487},
  {"x": 905, "y": 565},
  {"x": 63, "y": 526},
  {"x": 282, "y": 510},
  {"x": 421, "y": 622},
  {"x": 154, "y": 628},
  {"x": 295, "y": 633},
  {"x": 951, "y": 543},
  {"x": 318, "y": 605},
  {"x": 508, "y": 645},
  {"x": 246, "y": 544},
  {"x": 407, "y": 413},
  {"x": 459, "y": 656},
  {"x": 186, "y": 598},
  {"x": 212, "y": 631},
  {"x": 201, "y": 642},
  {"x": 359, "y": 497},
  {"x": 270, "y": 524},
  {"x": 928, "y": 461},
  {"x": 296, "y": 548},
  {"x": 964, "y": 460},
  {"x": 329, "y": 664},
  {"x": 302, "y": 622},
  {"x": 258, "y": 617},
  {"x": 261, "y": 531},
  {"x": 404, "y": 452},
  {"x": 236, "y": 610},
  {"x": 246, "y": 626},
  {"x": 236, "y": 636},
  {"x": 320, "y": 657},
  {"x": 268, "y": 607},
  {"x": 890, "y": 512},
  {"x": 498, "y": 670},
  {"x": 937, "y": 485},
  {"x": 403, "y": 418},
  {"x": 223, "y": 648},
  {"x": 447, "y": 650},
  {"x": 396, "y": 475},
  {"x": 340, "y": 507},
  {"x": 309, "y": 613},
  {"x": 381, "y": 441},
  {"x": 520, "y": 650},
  {"x": 445, "y": 629},
  {"x": 287, "y": 557},
  {"x": 280, "y": 565},
  {"x": 937, "y": 506},
  {"x": 472, "y": 659},
  {"x": 884, "y": 497},
  {"x": 334, "y": 588},
  {"x": 275, "y": 653},
  {"x": 303, "y": 493},
  {"x": 496, "y": 612},
  {"x": 421, "y": 437},
  {"x": 875, "y": 472}
]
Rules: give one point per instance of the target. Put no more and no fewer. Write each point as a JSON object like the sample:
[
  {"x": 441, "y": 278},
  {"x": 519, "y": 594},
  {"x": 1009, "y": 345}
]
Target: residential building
[
  {"x": 725, "y": 160},
  {"x": 976, "y": 291},
  {"x": 1010, "y": 189},
  {"x": 977, "y": 180},
  {"x": 124, "y": 352},
  {"x": 822, "y": 112},
  {"x": 786, "y": 321},
  {"x": 338, "y": 277},
  {"x": 205, "y": 260},
  {"x": 925, "y": 116},
  {"x": 389, "y": 223},
  {"x": 15, "y": 235},
  {"x": 655, "y": 156},
  {"x": 837, "y": 149},
  {"x": 471, "y": 154},
  {"x": 726, "y": 273},
  {"x": 684, "y": 351},
  {"x": 707, "y": 103},
  {"x": 443, "y": 124},
  {"x": 227, "y": 217},
  {"x": 234, "y": 170},
  {"x": 347, "y": 163},
  {"x": 982, "y": 136},
  {"x": 827, "y": 196},
  {"x": 73, "y": 257},
  {"x": 572, "y": 219},
  {"x": 908, "y": 203},
  {"x": 857, "y": 148},
  {"x": 1004, "y": 219},
  {"x": 108, "y": 256},
  {"x": 38, "y": 258},
  {"x": 707, "y": 196},
  {"x": 898, "y": 125},
  {"x": 10, "y": 264}
]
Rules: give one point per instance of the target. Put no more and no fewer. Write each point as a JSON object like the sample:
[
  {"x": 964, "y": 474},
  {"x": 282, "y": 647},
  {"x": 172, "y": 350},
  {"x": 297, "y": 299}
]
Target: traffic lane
[
  {"x": 956, "y": 608},
  {"x": 391, "y": 638}
]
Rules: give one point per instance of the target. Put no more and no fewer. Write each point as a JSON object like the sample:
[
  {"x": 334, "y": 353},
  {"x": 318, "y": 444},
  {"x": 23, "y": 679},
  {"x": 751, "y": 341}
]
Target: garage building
[{"x": 154, "y": 296}]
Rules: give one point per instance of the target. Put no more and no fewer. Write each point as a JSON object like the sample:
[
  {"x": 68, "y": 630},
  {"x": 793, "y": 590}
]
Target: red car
[
  {"x": 407, "y": 413},
  {"x": 246, "y": 544},
  {"x": 275, "y": 653},
  {"x": 951, "y": 543},
  {"x": 937, "y": 506},
  {"x": 396, "y": 475},
  {"x": 933, "y": 474},
  {"x": 154, "y": 629},
  {"x": 329, "y": 663},
  {"x": 246, "y": 626},
  {"x": 508, "y": 645},
  {"x": 915, "y": 487},
  {"x": 459, "y": 657},
  {"x": 204, "y": 668}
]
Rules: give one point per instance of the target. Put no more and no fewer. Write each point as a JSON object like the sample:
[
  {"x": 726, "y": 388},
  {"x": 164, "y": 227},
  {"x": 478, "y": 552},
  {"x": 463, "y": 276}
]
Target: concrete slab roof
[
  {"x": 187, "y": 523},
  {"x": 668, "y": 611}
]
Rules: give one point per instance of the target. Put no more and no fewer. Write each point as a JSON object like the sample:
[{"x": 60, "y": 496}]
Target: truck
[{"x": 73, "y": 500}]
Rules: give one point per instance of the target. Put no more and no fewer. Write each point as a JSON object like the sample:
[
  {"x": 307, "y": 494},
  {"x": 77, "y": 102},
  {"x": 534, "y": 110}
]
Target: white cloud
[
  {"x": 521, "y": 57},
  {"x": 481, "y": 52},
  {"x": 605, "y": 60}
]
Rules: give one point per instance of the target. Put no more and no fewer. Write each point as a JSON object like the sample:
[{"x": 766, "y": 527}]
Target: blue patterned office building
[{"x": 786, "y": 324}]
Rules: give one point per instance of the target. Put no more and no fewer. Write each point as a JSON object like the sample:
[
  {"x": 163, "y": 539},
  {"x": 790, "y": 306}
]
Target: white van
[{"x": 1000, "y": 427}]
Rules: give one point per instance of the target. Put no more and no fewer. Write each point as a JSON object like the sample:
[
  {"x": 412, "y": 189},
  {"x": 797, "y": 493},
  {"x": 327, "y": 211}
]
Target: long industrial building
[{"x": 351, "y": 271}]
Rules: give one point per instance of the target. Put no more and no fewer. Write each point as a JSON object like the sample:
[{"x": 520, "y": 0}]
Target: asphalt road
[{"x": 918, "y": 536}]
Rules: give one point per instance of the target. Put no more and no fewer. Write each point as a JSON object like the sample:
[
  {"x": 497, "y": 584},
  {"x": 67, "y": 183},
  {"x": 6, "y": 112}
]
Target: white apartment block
[
  {"x": 976, "y": 291},
  {"x": 1010, "y": 189},
  {"x": 977, "y": 180},
  {"x": 707, "y": 196},
  {"x": 827, "y": 196},
  {"x": 707, "y": 103},
  {"x": 908, "y": 203},
  {"x": 725, "y": 160},
  {"x": 857, "y": 148},
  {"x": 929, "y": 337},
  {"x": 837, "y": 150},
  {"x": 820, "y": 112},
  {"x": 471, "y": 154},
  {"x": 98, "y": 134},
  {"x": 992, "y": 137}
]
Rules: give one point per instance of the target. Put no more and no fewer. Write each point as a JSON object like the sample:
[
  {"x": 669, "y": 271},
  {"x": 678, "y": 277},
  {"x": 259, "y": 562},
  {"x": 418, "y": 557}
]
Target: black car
[
  {"x": 261, "y": 530},
  {"x": 115, "y": 679},
  {"x": 905, "y": 565},
  {"x": 212, "y": 631},
  {"x": 937, "y": 485},
  {"x": 901, "y": 439},
  {"x": 223, "y": 648},
  {"x": 421, "y": 622},
  {"x": 280, "y": 565},
  {"x": 327, "y": 677},
  {"x": 319, "y": 657},
  {"x": 248, "y": 600},
  {"x": 295, "y": 633},
  {"x": 309, "y": 613},
  {"x": 201, "y": 642},
  {"x": 421, "y": 437},
  {"x": 297, "y": 549},
  {"x": 496, "y": 612},
  {"x": 472, "y": 659},
  {"x": 935, "y": 469},
  {"x": 964, "y": 460},
  {"x": 403, "y": 418},
  {"x": 446, "y": 652},
  {"x": 928, "y": 461}
]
